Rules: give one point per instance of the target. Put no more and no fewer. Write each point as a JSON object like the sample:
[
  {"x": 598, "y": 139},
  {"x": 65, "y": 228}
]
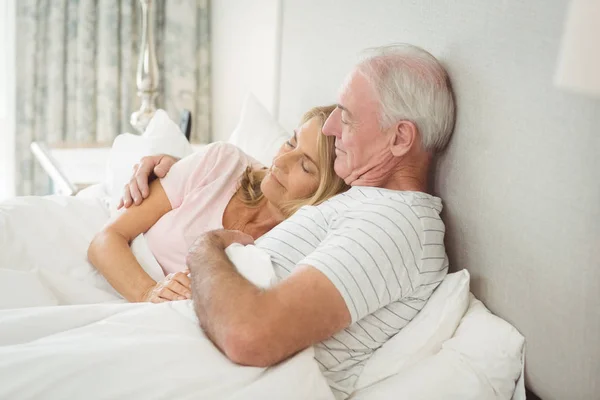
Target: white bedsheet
[
  {"x": 112, "y": 349},
  {"x": 43, "y": 252},
  {"x": 149, "y": 351},
  {"x": 43, "y": 257}
]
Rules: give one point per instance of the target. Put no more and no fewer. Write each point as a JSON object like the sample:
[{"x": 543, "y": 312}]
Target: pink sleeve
[{"x": 199, "y": 169}]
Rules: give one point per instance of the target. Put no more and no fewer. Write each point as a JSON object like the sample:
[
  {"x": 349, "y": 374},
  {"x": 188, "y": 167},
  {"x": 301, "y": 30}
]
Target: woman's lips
[{"x": 275, "y": 178}]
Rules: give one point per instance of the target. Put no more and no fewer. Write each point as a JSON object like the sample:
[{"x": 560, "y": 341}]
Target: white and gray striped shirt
[{"x": 382, "y": 249}]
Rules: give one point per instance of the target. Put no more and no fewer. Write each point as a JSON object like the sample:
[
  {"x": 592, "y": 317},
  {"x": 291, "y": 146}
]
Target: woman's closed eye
[
  {"x": 304, "y": 168},
  {"x": 304, "y": 164},
  {"x": 292, "y": 142}
]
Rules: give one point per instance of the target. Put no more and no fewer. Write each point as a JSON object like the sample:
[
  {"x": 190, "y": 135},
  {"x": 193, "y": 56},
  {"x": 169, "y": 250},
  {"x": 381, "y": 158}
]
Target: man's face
[{"x": 359, "y": 141}]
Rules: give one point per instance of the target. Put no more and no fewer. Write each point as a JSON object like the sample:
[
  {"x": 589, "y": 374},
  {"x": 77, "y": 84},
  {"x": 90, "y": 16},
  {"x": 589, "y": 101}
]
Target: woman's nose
[{"x": 283, "y": 161}]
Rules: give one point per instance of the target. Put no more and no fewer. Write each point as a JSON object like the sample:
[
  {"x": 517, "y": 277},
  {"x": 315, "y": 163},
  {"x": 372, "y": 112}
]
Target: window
[
  {"x": 7, "y": 98},
  {"x": 4, "y": 60}
]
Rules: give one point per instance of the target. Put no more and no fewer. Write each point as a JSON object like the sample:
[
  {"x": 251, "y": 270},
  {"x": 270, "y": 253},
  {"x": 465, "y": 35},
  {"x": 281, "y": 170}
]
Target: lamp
[
  {"x": 147, "y": 73},
  {"x": 579, "y": 61}
]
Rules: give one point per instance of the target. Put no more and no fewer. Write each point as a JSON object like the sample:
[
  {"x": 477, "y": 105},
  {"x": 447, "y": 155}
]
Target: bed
[
  {"x": 501, "y": 58},
  {"x": 63, "y": 322}
]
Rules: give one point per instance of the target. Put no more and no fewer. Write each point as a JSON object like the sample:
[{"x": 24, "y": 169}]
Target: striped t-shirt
[{"x": 382, "y": 249}]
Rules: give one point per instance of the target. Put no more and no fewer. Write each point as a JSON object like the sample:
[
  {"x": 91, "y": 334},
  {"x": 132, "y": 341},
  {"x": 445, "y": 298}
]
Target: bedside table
[
  {"x": 73, "y": 167},
  {"x": 82, "y": 164}
]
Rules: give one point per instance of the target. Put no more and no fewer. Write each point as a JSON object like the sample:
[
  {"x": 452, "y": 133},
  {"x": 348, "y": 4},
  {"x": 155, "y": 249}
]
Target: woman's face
[{"x": 295, "y": 173}]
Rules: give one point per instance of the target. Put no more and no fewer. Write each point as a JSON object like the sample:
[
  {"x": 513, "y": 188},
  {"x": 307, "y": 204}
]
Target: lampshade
[{"x": 579, "y": 62}]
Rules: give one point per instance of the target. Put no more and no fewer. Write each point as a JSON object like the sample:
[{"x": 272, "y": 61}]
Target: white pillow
[
  {"x": 162, "y": 136},
  {"x": 258, "y": 134},
  {"x": 424, "y": 335},
  {"x": 482, "y": 361},
  {"x": 491, "y": 346}
]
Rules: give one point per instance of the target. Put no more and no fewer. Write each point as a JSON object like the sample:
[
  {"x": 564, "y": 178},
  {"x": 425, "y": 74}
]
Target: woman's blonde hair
[{"x": 329, "y": 183}]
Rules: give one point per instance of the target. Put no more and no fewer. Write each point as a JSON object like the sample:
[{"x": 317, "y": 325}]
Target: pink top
[{"x": 199, "y": 188}]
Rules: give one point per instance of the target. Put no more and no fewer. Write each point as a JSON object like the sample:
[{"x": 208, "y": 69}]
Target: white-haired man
[{"x": 357, "y": 268}]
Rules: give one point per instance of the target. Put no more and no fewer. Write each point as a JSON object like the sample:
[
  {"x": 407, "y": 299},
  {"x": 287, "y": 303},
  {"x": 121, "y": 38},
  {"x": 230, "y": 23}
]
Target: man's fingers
[
  {"x": 145, "y": 169},
  {"x": 181, "y": 291},
  {"x": 164, "y": 165},
  {"x": 242, "y": 238},
  {"x": 161, "y": 168},
  {"x": 126, "y": 199},
  {"x": 138, "y": 189},
  {"x": 141, "y": 184},
  {"x": 126, "y": 196},
  {"x": 135, "y": 192}
]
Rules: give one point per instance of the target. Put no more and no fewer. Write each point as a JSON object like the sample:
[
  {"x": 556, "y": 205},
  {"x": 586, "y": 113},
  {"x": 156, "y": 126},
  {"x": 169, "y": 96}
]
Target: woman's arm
[{"x": 110, "y": 253}]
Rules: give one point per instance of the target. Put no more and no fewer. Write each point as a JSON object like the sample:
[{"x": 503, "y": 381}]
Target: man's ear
[{"x": 405, "y": 137}]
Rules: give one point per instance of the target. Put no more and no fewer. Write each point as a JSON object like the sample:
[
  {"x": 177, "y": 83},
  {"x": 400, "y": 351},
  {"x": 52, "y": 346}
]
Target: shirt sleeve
[
  {"x": 371, "y": 256},
  {"x": 199, "y": 169}
]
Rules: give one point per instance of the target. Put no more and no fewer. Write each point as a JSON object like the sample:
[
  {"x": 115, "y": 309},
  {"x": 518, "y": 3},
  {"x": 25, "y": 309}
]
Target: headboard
[{"x": 520, "y": 178}]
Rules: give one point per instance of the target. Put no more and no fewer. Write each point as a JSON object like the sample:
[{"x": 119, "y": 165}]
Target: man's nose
[{"x": 333, "y": 124}]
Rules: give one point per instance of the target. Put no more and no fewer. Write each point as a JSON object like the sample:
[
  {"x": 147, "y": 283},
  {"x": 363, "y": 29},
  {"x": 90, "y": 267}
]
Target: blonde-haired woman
[{"x": 218, "y": 188}]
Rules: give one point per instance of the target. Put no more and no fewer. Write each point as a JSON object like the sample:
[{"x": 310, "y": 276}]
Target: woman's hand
[{"x": 175, "y": 286}]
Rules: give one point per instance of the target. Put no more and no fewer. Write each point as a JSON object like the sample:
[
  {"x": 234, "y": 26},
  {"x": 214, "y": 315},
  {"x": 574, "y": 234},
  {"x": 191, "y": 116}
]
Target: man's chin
[{"x": 341, "y": 170}]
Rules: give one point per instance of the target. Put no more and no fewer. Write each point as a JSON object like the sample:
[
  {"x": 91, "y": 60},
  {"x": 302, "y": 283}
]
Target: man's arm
[{"x": 260, "y": 327}]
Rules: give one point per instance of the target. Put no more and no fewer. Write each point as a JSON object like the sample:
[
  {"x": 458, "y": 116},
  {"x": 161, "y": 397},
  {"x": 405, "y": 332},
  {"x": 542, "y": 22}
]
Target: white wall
[
  {"x": 520, "y": 179},
  {"x": 7, "y": 98},
  {"x": 245, "y": 48}
]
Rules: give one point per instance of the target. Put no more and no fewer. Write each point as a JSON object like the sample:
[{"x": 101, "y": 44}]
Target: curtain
[{"x": 76, "y": 66}]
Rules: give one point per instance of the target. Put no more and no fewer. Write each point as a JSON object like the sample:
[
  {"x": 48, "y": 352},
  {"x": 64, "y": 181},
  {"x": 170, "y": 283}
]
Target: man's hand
[
  {"x": 175, "y": 286},
  {"x": 260, "y": 327},
  {"x": 218, "y": 239},
  {"x": 224, "y": 238},
  {"x": 148, "y": 169}
]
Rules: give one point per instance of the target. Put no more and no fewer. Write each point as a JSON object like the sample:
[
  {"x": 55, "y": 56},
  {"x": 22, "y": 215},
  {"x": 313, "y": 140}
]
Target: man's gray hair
[{"x": 412, "y": 85}]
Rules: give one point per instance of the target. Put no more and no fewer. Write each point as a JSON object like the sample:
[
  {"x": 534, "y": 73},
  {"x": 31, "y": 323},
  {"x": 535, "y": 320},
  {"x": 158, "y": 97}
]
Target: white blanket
[
  {"x": 135, "y": 351},
  {"x": 108, "y": 350}
]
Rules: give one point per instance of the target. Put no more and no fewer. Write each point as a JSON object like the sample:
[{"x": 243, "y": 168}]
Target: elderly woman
[{"x": 218, "y": 188}]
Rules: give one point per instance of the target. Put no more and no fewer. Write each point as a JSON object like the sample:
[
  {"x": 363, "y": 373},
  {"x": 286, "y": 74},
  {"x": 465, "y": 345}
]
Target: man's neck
[
  {"x": 407, "y": 180},
  {"x": 409, "y": 175}
]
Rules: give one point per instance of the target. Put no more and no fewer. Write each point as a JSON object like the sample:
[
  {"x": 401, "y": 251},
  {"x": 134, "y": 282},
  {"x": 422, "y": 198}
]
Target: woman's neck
[
  {"x": 262, "y": 219},
  {"x": 255, "y": 221}
]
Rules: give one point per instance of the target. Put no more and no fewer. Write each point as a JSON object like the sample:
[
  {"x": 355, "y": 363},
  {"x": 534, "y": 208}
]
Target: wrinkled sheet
[{"x": 95, "y": 345}]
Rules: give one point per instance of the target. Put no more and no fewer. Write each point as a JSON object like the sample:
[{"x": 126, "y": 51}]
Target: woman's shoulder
[{"x": 215, "y": 164}]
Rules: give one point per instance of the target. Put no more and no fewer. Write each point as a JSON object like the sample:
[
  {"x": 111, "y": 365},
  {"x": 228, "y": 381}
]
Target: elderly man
[{"x": 357, "y": 268}]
